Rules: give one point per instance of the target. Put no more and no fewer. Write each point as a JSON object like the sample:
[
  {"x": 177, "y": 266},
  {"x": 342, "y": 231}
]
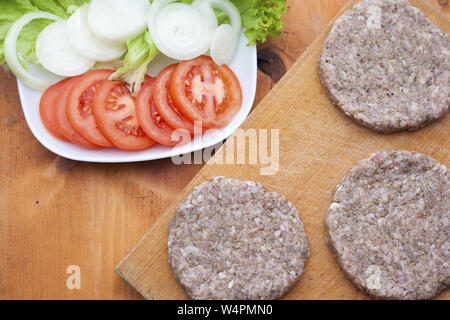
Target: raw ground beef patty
[
  {"x": 233, "y": 239},
  {"x": 386, "y": 66},
  {"x": 388, "y": 225}
]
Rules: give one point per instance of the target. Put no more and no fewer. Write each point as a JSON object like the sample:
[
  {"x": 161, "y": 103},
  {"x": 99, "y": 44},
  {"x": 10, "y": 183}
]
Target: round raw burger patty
[
  {"x": 233, "y": 239},
  {"x": 390, "y": 74},
  {"x": 388, "y": 226}
]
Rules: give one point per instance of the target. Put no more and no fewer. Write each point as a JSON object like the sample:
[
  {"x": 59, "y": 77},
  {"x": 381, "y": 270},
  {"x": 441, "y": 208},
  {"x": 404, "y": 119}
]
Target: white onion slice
[
  {"x": 224, "y": 44},
  {"x": 115, "y": 21},
  {"x": 179, "y": 30},
  {"x": 57, "y": 55},
  {"x": 232, "y": 12},
  {"x": 35, "y": 77},
  {"x": 225, "y": 39},
  {"x": 207, "y": 12},
  {"x": 86, "y": 43}
]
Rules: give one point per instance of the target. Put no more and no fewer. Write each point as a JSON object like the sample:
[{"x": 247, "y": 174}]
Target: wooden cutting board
[{"x": 318, "y": 145}]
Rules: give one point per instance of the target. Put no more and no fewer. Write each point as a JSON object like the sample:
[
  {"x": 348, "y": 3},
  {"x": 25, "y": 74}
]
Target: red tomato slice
[
  {"x": 164, "y": 104},
  {"x": 79, "y": 106},
  {"x": 63, "y": 122},
  {"x": 150, "y": 120},
  {"x": 115, "y": 114},
  {"x": 204, "y": 91},
  {"x": 46, "y": 107}
]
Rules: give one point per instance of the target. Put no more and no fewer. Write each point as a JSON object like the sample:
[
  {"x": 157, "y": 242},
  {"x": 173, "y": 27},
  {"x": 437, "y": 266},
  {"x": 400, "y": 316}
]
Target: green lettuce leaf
[
  {"x": 11, "y": 10},
  {"x": 261, "y": 18},
  {"x": 141, "y": 51}
]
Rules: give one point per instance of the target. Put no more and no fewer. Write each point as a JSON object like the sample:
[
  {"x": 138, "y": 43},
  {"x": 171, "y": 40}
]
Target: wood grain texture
[
  {"x": 318, "y": 145},
  {"x": 56, "y": 212}
]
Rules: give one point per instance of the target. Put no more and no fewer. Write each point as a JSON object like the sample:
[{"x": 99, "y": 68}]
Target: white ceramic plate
[{"x": 245, "y": 67}]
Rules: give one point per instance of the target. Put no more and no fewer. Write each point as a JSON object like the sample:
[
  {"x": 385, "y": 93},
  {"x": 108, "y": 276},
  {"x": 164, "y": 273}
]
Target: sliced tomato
[
  {"x": 150, "y": 120},
  {"x": 115, "y": 114},
  {"x": 204, "y": 91},
  {"x": 63, "y": 122},
  {"x": 164, "y": 102},
  {"x": 47, "y": 106},
  {"x": 79, "y": 106}
]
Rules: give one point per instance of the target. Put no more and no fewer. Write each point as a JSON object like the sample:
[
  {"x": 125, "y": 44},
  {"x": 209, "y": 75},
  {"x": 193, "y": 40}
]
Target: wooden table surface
[{"x": 55, "y": 213}]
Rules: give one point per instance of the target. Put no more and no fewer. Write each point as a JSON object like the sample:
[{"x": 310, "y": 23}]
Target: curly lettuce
[{"x": 261, "y": 18}]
